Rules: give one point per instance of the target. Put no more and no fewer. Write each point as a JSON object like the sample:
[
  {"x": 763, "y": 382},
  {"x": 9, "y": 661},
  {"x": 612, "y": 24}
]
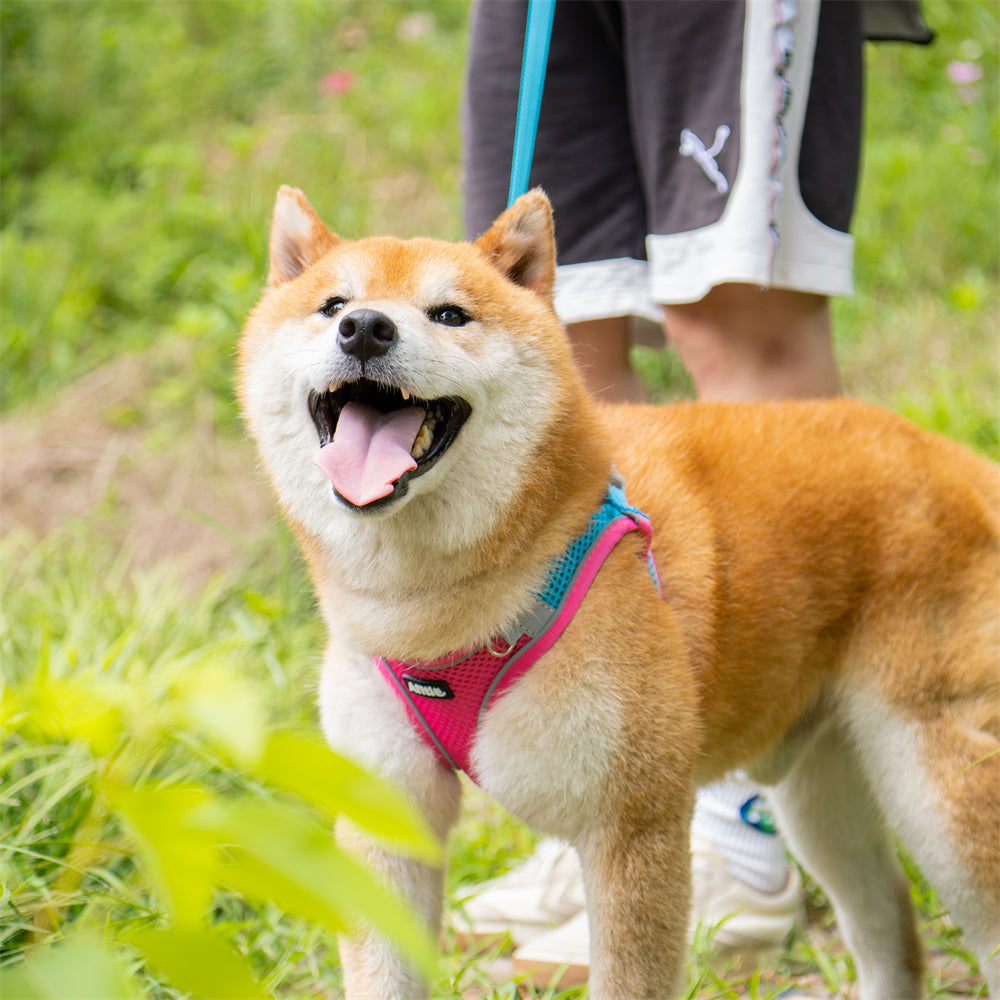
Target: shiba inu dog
[{"x": 825, "y": 614}]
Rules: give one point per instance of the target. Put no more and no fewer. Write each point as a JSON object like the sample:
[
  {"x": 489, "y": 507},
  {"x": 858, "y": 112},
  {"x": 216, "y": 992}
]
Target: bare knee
[{"x": 743, "y": 342}]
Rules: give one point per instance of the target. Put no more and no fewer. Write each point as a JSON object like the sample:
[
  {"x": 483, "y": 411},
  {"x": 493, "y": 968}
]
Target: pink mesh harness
[{"x": 447, "y": 698}]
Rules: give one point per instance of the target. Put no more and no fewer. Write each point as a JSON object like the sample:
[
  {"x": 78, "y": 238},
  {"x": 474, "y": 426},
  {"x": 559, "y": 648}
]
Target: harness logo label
[{"x": 428, "y": 688}]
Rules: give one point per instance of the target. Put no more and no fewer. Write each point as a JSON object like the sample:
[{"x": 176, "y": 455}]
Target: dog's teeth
[
  {"x": 423, "y": 441},
  {"x": 405, "y": 394}
]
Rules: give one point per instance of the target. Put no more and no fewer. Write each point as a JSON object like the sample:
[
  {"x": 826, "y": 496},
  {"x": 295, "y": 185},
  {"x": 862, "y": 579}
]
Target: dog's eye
[
  {"x": 332, "y": 306},
  {"x": 449, "y": 316}
]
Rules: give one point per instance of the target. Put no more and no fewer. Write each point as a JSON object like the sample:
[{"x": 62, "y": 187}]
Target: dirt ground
[{"x": 154, "y": 479}]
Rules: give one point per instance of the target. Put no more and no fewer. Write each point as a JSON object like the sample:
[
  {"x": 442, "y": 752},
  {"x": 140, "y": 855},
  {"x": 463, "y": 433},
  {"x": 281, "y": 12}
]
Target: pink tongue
[{"x": 370, "y": 451}]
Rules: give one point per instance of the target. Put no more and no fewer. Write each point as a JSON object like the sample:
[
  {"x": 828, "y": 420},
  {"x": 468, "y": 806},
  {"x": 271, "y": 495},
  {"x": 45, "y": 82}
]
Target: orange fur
[{"x": 829, "y": 617}]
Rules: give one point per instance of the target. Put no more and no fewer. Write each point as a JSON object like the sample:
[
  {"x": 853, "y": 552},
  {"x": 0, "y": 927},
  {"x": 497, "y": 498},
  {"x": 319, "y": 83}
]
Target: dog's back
[{"x": 800, "y": 513}]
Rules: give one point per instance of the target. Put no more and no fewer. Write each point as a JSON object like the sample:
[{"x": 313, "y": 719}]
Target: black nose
[{"x": 366, "y": 333}]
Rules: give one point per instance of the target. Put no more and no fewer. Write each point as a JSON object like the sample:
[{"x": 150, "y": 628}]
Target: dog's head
[{"x": 379, "y": 374}]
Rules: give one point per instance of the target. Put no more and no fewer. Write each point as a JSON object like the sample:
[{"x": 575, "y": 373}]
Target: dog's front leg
[
  {"x": 364, "y": 720},
  {"x": 373, "y": 966},
  {"x": 638, "y": 886}
]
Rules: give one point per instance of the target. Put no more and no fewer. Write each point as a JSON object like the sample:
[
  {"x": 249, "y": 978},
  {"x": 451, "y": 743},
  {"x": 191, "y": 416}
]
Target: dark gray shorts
[{"x": 684, "y": 143}]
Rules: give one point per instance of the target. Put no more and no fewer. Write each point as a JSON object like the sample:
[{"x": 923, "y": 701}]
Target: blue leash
[{"x": 529, "y": 101}]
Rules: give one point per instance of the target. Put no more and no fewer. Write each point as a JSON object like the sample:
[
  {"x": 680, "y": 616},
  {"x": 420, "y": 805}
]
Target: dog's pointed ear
[
  {"x": 298, "y": 237},
  {"x": 521, "y": 244}
]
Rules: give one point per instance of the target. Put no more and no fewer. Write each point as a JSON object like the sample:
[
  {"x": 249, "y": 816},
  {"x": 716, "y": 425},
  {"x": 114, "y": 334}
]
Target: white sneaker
[
  {"x": 744, "y": 918},
  {"x": 559, "y": 958},
  {"x": 737, "y": 916},
  {"x": 543, "y": 892}
]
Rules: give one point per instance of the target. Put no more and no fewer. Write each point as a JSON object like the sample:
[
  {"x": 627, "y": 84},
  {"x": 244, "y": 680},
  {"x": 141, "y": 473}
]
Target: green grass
[{"x": 143, "y": 144}]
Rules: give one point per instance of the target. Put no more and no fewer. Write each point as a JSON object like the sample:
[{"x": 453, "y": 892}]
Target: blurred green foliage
[
  {"x": 144, "y": 769},
  {"x": 929, "y": 204},
  {"x": 922, "y": 333},
  {"x": 143, "y": 144}
]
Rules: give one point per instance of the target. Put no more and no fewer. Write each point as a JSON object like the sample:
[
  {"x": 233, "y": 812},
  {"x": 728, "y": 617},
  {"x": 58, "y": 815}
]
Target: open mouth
[{"x": 375, "y": 438}]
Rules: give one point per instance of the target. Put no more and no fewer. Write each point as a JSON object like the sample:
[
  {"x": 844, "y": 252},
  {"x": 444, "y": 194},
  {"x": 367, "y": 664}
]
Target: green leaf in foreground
[
  {"x": 200, "y": 963},
  {"x": 215, "y": 700},
  {"x": 276, "y": 853},
  {"x": 178, "y": 856},
  {"x": 74, "y": 970},
  {"x": 269, "y": 851},
  {"x": 338, "y": 786}
]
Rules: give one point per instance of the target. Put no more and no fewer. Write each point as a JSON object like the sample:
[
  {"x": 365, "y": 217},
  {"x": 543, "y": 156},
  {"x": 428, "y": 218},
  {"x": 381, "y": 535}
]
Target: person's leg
[
  {"x": 743, "y": 342},
  {"x": 739, "y": 342},
  {"x": 601, "y": 347}
]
